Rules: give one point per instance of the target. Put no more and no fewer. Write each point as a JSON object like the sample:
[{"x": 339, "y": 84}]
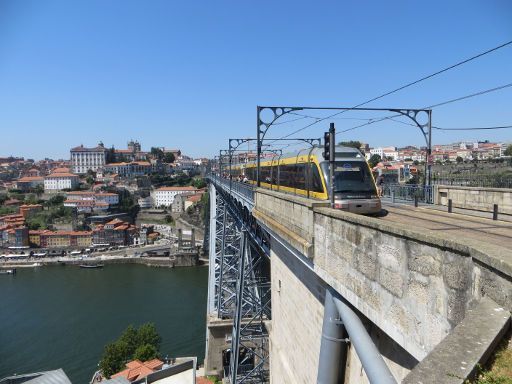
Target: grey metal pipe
[
  {"x": 372, "y": 361},
  {"x": 333, "y": 350}
]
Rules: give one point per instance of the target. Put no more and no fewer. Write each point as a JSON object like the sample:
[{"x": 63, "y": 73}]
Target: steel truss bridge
[{"x": 239, "y": 290}]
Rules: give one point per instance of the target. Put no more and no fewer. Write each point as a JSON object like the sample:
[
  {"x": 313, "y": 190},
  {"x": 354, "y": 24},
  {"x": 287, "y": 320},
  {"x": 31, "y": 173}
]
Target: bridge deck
[{"x": 458, "y": 225}]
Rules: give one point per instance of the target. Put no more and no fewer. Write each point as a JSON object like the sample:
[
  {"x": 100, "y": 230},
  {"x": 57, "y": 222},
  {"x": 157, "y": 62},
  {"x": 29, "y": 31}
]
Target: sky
[{"x": 189, "y": 74}]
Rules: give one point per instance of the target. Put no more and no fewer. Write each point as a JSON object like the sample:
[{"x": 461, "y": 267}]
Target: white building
[
  {"x": 60, "y": 179},
  {"x": 90, "y": 201},
  {"x": 145, "y": 202},
  {"x": 85, "y": 159},
  {"x": 165, "y": 195}
]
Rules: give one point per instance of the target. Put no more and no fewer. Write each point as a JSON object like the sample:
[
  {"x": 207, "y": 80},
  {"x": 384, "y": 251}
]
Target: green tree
[
  {"x": 416, "y": 162},
  {"x": 198, "y": 183},
  {"x": 351, "y": 143},
  {"x": 145, "y": 352},
  {"x": 142, "y": 343},
  {"x": 114, "y": 358},
  {"x": 508, "y": 151},
  {"x": 157, "y": 153},
  {"x": 147, "y": 334},
  {"x": 374, "y": 160},
  {"x": 169, "y": 158},
  {"x": 169, "y": 219},
  {"x": 459, "y": 159}
]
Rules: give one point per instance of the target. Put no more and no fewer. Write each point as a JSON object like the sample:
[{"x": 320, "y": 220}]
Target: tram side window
[
  {"x": 300, "y": 176},
  {"x": 250, "y": 173},
  {"x": 265, "y": 174},
  {"x": 316, "y": 182}
]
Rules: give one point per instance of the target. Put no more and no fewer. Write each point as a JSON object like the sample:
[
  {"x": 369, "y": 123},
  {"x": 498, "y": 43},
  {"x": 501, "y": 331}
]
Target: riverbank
[{"x": 177, "y": 260}]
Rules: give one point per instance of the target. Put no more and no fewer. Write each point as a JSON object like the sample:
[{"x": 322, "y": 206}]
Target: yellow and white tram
[{"x": 306, "y": 173}]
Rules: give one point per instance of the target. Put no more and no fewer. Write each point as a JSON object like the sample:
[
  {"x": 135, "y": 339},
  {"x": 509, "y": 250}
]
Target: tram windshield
[{"x": 351, "y": 177}]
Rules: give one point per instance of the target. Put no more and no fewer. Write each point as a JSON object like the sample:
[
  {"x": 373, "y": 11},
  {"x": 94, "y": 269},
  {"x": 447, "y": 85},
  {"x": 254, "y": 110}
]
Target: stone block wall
[
  {"x": 481, "y": 199},
  {"x": 414, "y": 286},
  {"x": 296, "y": 331}
]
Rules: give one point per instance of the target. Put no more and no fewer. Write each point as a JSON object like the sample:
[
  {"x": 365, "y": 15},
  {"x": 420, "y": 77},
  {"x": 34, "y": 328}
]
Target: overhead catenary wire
[
  {"x": 431, "y": 107},
  {"x": 403, "y": 87}
]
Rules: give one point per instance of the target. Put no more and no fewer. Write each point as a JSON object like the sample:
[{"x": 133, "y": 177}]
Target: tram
[{"x": 306, "y": 173}]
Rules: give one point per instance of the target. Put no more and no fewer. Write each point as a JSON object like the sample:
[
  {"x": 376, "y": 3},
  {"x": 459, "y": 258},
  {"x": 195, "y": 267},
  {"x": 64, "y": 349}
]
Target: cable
[
  {"x": 473, "y": 128},
  {"x": 431, "y": 107},
  {"x": 405, "y": 86}
]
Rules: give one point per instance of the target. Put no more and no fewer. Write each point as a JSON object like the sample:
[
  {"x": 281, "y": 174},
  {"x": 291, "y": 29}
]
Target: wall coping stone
[
  {"x": 491, "y": 255},
  {"x": 485, "y": 189},
  {"x": 310, "y": 203},
  {"x": 470, "y": 343}
]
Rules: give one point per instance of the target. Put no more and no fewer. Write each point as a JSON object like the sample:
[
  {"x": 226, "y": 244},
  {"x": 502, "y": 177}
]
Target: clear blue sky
[{"x": 189, "y": 74}]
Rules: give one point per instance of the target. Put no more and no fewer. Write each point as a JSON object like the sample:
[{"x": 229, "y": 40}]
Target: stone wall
[
  {"x": 416, "y": 286},
  {"x": 292, "y": 214},
  {"x": 481, "y": 199},
  {"x": 296, "y": 330},
  {"x": 410, "y": 286},
  {"x": 297, "y": 314}
]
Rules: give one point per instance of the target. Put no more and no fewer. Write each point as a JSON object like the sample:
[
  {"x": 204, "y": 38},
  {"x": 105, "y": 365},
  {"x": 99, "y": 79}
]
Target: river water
[{"x": 61, "y": 317}]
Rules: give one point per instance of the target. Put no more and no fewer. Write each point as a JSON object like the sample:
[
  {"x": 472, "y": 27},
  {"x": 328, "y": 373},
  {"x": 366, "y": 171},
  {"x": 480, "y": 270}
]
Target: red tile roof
[{"x": 136, "y": 370}]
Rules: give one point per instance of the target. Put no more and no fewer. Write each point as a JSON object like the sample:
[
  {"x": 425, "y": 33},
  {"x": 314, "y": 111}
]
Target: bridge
[{"x": 302, "y": 293}]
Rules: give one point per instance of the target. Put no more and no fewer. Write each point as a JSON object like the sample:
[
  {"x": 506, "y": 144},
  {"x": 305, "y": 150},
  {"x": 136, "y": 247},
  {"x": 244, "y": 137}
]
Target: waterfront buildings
[
  {"x": 84, "y": 159},
  {"x": 60, "y": 179},
  {"x": 164, "y": 196},
  {"x": 60, "y": 239},
  {"x": 115, "y": 232}
]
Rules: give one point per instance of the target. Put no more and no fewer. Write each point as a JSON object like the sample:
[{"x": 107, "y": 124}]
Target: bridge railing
[
  {"x": 243, "y": 189},
  {"x": 409, "y": 192}
]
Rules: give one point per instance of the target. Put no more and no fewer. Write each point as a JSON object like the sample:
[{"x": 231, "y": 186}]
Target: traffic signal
[
  {"x": 327, "y": 145},
  {"x": 329, "y": 142}
]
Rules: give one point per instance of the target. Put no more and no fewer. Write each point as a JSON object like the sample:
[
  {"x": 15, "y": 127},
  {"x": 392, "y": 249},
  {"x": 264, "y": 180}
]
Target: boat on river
[
  {"x": 91, "y": 266},
  {"x": 8, "y": 271}
]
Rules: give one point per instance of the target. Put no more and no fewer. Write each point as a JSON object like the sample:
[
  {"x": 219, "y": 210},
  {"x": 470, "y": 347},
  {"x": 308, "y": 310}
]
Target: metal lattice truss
[
  {"x": 241, "y": 288},
  {"x": 250, "y": 346}
]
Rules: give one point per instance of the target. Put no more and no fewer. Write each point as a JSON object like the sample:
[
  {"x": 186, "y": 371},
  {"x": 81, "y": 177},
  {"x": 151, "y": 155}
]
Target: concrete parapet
[
  {"x": 289, "y": 216},
  {"x": 471, "y": 342},
  {"x": 414, "y": 285},
  {"x": 481, "y": 199}
]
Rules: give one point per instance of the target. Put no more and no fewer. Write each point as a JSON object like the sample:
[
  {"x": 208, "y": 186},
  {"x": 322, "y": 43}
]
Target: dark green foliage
[
  {"x": 198, "y": 183},
  {"x": 508, "y": 151},
  {"x": 55, "y": 200},
  {"x": 147, "y": 334},
  {"x": 143, "y": 344},
  {"x": 168, "y": 158},
  {"x": 180, "y": 180},
  {"x": 374, "y": 160},
  {"x": 459, "y": 159},
  {"x": 351, "y": 143},
  {"x": 169, "y": 219},
  {"x": 145, "y": 352},
  {"x": 8, "y": 210},
  {"x": 113, "y": 359},
  {"x": 157, "y": 153}
]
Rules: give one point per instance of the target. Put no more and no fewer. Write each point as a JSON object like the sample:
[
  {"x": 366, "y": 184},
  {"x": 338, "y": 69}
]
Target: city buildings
[
  {"x": 59, "y": 180},
  {"x": 84, "y": 159},
  {"x": 164, "y": 196},
  {"x": 60, "y": 239},
  {"x": 86, "y": 201},
  {"x": 29, "y": 183},
  {"x": 115, "y": 232}
]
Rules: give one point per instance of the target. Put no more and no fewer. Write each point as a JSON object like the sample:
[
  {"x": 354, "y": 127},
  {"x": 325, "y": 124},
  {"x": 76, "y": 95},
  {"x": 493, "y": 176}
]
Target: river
[{"x": 62, "y": 316}]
